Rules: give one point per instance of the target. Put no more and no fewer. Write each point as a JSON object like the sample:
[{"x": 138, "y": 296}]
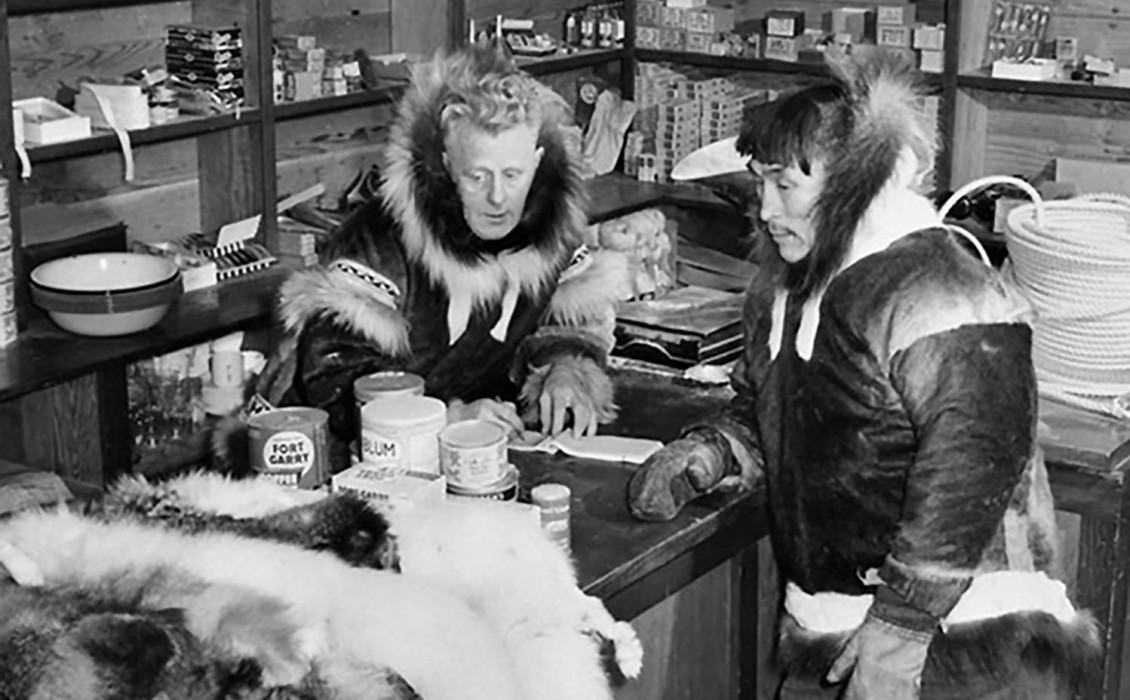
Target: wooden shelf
[
  {"x": 322, "y": 105},
  {"x": 581, "y": 59},
  {"x": 757, "y": 65},
  {"x": 44, "y": 355},
  {"x": 703, "y": 60},
  {"x": 105, "y": 141},
  {"x": 36, "y": 7},
  {"x": 1049, "y": 88}
]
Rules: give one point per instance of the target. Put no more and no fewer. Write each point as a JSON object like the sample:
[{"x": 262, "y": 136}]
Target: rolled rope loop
[{"x": 1071, "y": 260}]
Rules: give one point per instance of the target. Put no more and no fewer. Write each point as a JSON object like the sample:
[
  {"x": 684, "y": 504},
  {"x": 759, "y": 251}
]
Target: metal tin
[
  {"x": 290, "y": 446},
  {"x": 472, "y": 453},
  {"x": 382, "y": 385},
  {"x": 552, "y": 501},
  {"x": 505, "y": 489},
  {"x": 401, "y": 433}
]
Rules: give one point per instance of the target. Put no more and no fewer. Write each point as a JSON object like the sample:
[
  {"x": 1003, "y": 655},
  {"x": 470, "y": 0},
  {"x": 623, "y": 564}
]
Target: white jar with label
[{"x": 401, "y": 434}]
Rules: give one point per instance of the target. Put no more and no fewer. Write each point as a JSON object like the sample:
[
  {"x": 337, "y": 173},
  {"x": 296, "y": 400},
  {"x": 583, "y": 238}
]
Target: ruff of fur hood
[
  {"x": 418, "y": 201},
  {"x": 423, "y": 198}
]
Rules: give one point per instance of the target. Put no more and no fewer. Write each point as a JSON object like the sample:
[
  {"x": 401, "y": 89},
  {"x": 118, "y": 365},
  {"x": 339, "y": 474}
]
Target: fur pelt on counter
[{"x": 204, "y": 587}]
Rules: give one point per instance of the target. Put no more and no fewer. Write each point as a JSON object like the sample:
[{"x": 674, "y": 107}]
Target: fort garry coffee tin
[{"x": 289, "y": 446}]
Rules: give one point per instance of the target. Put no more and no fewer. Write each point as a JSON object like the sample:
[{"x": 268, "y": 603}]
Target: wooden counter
[{"x": 689, "y": 586}]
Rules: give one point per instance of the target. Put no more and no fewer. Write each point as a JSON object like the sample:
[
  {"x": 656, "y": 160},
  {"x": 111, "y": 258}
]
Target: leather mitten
[
  {"x": 885, "y": 657},
  {"x": 677, "y": 474}
]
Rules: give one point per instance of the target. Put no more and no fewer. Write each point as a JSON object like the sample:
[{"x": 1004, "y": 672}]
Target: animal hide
[{"x": 288, "y": 594}]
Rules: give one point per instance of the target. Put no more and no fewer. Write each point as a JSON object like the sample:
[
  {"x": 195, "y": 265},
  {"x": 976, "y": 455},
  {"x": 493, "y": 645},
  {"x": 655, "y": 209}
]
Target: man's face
[
  {"x": 493, "y": 173},
  {"x": 788, "y": 197}
]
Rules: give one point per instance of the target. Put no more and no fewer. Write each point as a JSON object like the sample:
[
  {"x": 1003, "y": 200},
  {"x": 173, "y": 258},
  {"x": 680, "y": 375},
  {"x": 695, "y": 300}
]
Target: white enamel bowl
[{"x": 106, "y": 294}]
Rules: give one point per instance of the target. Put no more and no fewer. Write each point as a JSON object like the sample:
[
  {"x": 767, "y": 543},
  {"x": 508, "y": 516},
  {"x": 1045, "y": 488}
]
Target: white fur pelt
[
  {"x": 352, "y": 624},
  {"x": 484, "y": 604}
]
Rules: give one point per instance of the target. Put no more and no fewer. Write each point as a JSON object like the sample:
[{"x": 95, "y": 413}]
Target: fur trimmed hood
[{"x": 421, "y": 195}]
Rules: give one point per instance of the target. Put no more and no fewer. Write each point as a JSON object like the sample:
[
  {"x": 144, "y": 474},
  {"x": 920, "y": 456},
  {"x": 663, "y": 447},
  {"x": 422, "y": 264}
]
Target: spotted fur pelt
[{"x": 472, "y": 603}]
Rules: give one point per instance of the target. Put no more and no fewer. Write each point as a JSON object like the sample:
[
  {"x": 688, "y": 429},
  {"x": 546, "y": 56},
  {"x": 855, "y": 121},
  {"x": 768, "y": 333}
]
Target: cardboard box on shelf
[
  {"x": 784, "y": 23},
  {"x": 931, "y": 61},
  {"x": 780, "y": 48},
  {"x": 896, "y": 35},
  {"x": 1031, "y": 69},
  {"x": 45, "y": 121},
  {"x": 895, "y": 14},
  {"x": 1094, "y": 175}
]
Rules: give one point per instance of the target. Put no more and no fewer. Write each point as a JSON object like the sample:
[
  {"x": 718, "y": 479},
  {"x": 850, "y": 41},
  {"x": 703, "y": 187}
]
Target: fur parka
[
  {"x": 891, "y": 409},
  {"x": 406, "y": 285}
]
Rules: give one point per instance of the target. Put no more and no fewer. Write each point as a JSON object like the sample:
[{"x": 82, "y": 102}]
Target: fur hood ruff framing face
[
  {"x": 418, "y": 199},
  {"x": 423, "y": 197}
]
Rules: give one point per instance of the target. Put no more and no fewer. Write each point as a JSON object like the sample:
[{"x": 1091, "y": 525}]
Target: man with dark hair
[{"x": 887, "y": 399}]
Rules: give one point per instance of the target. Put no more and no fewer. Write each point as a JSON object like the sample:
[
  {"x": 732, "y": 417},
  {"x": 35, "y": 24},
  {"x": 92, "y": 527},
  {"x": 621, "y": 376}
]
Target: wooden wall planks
[
  {"x": 1023, "y": 134},
  {"x": 337, "y": 25},
  {"x": 61, "y": 48}
]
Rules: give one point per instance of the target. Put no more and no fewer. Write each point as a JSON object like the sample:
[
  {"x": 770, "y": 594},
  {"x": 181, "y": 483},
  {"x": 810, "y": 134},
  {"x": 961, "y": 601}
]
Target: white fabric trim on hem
[{"x": 989, "y": 595}]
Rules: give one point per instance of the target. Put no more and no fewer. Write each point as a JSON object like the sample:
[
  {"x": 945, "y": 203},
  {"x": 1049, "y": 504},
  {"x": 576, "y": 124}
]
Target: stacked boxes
[
  {"x": 298, "y": 244},
  {"x": 894, "y": 26},
  {"x": 929, "y": 42},
  {"x": 682, "y": 25},
  {"x": 298, "y": 67},
  {"x": 305, "y": 71},
  {"x": 679, "y": 114},
  {"x": 8, "y": 328},
  {"x": 205, "y": 67}
]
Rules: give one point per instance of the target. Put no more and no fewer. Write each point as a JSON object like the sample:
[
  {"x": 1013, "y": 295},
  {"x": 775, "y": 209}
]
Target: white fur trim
[
  {"x": 509, "y": 303},
  {"x": 777, "y": 329},
  {"x": 348, "y": 300},
  {"x": 589, "y": 290},
  {"x": 989, "y": 595},
  {"x": 219, "y": 494},
  {"x": 893, "y": 215}
]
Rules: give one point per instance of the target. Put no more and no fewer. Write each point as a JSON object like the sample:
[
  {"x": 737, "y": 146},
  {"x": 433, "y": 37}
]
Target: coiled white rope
[{"x": 1071, "y": 260}]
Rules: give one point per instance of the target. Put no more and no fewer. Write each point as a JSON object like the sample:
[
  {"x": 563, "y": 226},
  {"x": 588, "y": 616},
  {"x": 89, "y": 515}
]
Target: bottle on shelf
[
  {"x": 618, "y": 26},
  {"x": 588, "y": 29},
  {"x": 605, "y": 27},
  {"x": 572, "y": 34}
]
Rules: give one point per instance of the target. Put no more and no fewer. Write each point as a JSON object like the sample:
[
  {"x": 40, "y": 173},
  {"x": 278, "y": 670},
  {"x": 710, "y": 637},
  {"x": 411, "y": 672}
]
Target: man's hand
[
  {"x": 882, "y": 661},
  {"x": 680, "y": 472},
  {"x": 502, "y": 413},
  {"x": 562, "y": 397}
]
